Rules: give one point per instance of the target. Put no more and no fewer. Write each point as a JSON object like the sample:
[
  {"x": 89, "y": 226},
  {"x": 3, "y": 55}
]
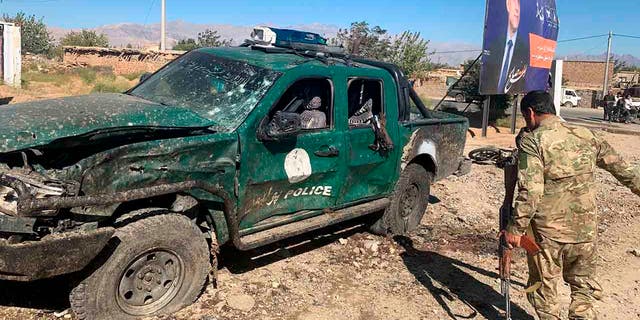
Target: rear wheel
[
  {"x": 460, "y": 97},
  {"x": 408, "y": 203},
  {"x": 156, "y": 265}
]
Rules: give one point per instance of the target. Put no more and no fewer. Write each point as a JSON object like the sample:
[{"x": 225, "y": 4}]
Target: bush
[
  {"x": 56, "y": 52},
  {"x": 87, "y": 75},
  {"x": 85, "y": 38},
  {"x": 36, "y": 38},
  {"x": 186, "y": 45},
  {"x": 134, "y": 75},
  {"x": 106, "y": 85}
]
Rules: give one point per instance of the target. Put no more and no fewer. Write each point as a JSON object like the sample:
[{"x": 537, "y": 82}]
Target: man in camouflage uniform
[{"x": 556, "y": 205}]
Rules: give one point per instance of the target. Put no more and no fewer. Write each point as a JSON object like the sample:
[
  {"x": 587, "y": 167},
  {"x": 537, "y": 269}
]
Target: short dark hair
[{"x": 539, "y": 101}]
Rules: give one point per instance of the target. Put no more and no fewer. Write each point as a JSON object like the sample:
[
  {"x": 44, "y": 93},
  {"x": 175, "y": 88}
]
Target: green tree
[
  {"x": 211, "y": 38},
  {"x": 85, "y": 38},
  {"x": 364, "y": 41},
  {"x": 470, "y": 85},
  {"x": 618, "y": 66},
  {"x": 409, "y": 52},
  {"x": 207, "y": 38},
  {"x": 36, "y": 38},
  {"x": 186, "y": 44}
]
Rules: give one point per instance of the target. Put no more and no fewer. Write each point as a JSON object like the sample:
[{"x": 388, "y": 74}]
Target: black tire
[
  {"x": 154, "y": 266},
  {"x": 408, "y": 202},
  {"x": 485, "y": 155},
  {"x": 460, "y": 97},
  {"x": 568, "y": 104}
]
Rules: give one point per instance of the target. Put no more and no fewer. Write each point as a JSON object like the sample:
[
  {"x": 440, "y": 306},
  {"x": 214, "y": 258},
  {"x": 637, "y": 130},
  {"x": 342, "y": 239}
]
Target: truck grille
[{"x": 37, "y": 186}]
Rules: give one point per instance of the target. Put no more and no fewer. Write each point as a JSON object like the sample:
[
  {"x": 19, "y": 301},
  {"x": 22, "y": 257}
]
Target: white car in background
[
  {"x": 570, "y": 98},
  {"x": 634, "y": 92}
]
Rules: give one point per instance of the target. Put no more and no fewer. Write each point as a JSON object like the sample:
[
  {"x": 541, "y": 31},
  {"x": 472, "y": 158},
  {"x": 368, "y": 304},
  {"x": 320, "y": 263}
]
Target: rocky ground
[{"x": 445, "y": 270}]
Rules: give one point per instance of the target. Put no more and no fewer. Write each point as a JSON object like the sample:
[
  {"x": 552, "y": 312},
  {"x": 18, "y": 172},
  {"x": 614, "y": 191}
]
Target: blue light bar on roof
[{"x": 285, "y": 37}]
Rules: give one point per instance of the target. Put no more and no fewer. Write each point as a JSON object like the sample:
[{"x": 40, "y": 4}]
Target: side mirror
[
  {"x": 282, "y": 125},
  {"x": 145, "y": 76}
]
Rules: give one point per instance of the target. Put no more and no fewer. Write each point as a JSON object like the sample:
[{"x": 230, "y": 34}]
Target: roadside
[{"x": 593, "y": 118}]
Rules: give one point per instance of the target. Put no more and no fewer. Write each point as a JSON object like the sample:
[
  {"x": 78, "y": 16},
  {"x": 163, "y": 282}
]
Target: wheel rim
[
  {"x": 484, "y": 155},
  {"x": 409, "y": 200},
  {"x": 150, "y": 282}
]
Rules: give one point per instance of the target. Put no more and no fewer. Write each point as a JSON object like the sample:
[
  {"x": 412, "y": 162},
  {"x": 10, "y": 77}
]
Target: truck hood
[{"x": 26, "y": 125}]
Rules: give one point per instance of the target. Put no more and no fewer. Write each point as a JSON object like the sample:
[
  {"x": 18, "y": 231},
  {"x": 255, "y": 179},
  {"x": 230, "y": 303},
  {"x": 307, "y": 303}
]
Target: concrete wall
[
  {"x": 123, "y": 61},
  {"x": 589, "y": 98},
  {"x": 586, "y": 74}
]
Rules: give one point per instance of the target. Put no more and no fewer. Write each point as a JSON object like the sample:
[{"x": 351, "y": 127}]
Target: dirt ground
[{"x": 445, "y": 270}]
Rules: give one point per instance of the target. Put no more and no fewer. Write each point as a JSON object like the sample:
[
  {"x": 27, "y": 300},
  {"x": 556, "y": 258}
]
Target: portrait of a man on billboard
[{"x": 519, "y": 45}]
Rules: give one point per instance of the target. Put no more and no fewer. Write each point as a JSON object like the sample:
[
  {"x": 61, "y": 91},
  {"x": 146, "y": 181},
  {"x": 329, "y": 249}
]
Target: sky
[{"x": 451, "y": 21}]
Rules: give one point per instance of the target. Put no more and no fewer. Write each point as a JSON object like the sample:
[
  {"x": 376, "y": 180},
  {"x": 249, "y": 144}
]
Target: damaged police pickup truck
[{"x": 133, "y": 193}]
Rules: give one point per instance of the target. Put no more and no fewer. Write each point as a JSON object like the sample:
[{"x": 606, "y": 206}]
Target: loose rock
[{"x": 241, "y": 302}]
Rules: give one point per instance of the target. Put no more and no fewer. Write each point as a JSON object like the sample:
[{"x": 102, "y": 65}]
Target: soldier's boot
[
  {"x": 580, "y": 272},
  {"x": 545, "y": 273}
]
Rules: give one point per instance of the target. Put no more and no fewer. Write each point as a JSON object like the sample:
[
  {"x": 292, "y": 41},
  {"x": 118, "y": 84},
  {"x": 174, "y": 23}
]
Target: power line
[
  {"x": 149, "y": 12},
  {"x": 626, "y": 36},
  {"x": 584, "y": 38}
]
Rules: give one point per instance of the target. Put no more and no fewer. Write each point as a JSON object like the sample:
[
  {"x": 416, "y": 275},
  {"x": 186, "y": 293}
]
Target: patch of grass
[
  {"x": 134, "y": 75},
  {"x": 111, "y": 85},
  {"x": 56, "y": 78},
  {"x": 88, "y": 75}
]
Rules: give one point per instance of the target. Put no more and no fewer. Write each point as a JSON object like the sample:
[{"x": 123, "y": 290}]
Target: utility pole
[
  {"x": 605, "y": 87},
  {"x": 163, "y": 26}
]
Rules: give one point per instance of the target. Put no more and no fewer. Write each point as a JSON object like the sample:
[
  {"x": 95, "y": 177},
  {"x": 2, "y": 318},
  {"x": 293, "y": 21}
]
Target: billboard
[{"x": 519, "y": 46}]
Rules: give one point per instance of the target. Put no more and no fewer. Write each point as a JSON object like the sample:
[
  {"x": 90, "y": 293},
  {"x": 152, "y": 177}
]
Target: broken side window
[
  {"x": 365, "y": 101},
  {"x": 312, "y": 99}
]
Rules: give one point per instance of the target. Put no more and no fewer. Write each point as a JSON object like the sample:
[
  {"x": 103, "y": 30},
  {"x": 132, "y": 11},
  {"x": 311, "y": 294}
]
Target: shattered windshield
[{"x": 219, "y": 89}]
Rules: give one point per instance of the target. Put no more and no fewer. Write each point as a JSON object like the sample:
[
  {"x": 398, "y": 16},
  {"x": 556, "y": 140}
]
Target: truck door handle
[{"x": 330, "y": 152}]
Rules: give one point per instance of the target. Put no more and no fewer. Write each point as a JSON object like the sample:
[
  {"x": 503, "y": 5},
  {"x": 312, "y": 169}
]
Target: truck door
[
  {"x": 370, "y": 173},
  {"x": 299, "y": 173}
]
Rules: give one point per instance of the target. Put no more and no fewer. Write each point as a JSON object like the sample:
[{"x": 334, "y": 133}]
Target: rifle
[
  {"x": 382, "y": 141},
  {"x": 509, "y": 165}
]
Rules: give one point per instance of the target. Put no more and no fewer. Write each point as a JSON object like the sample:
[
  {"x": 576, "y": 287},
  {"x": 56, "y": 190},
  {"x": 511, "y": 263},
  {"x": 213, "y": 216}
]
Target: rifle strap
[
  {"x": 534, "y": 287},
  {"x": 536, "y": 260}
]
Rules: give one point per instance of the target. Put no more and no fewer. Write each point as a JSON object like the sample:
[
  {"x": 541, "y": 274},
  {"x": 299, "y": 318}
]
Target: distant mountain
[
  {"x": 140, "y": 36},
  {"x": 628, "y": 59}
]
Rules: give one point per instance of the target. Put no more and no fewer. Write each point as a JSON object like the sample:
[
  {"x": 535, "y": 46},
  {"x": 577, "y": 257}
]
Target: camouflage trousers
[{"x": 572, "y": 263}]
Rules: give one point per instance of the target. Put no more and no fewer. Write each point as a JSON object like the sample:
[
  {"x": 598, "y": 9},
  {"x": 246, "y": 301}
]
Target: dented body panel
[
  {"x": 30, "y": 124},
  {"x": 71, "y": 168}
]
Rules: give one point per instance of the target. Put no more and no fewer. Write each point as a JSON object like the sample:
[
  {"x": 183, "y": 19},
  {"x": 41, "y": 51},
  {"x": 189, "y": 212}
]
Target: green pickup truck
[{"x": 134, "y": 193}]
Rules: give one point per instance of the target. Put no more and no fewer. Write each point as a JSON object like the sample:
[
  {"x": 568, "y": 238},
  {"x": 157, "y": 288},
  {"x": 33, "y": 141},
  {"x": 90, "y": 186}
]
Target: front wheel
[
  {"x": 408, "y": 202},
  {"x": 568, "y": 104},
  {"x": 156, "y": 265},
  {"x": 460, "y": 98}
]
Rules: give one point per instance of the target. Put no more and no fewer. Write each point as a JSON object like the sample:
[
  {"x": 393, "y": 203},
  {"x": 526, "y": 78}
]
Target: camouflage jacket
[{"x": 556, "y": 188}]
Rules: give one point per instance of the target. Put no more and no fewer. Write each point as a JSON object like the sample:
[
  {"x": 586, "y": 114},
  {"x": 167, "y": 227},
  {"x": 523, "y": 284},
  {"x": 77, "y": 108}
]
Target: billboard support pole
[
  {"x": 485, "y": 116},
  {"x": 514, "y": 112},
  {"x": 457, "y": 81}
]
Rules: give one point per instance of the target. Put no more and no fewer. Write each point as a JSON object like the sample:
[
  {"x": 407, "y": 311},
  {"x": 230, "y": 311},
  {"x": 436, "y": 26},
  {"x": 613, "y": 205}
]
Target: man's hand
[{"x": 512, "y": 240}]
